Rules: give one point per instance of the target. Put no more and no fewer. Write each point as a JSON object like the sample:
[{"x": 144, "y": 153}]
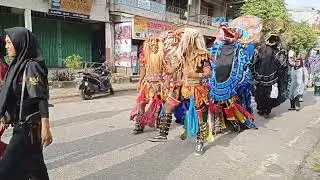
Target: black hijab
[{"x": 27, "y": 50}]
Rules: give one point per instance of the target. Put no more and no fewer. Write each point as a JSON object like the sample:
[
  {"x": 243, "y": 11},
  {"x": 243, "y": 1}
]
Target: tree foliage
[
  {"x": 273, "y": 13},
  {"x": 265, "y": 9},
  {"x": 301, "y": 37},
  {"x": 298, "y": 36}
]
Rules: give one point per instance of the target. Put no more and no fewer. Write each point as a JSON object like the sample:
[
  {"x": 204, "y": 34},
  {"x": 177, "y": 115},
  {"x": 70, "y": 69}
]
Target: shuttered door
[
  {"x": 8, "y": 20},
  {"x": 76, "y": 39},
  {"x": 46, "y": 33}
]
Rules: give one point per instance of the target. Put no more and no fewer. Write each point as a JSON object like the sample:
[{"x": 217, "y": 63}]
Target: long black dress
[{"x": 23, "y": 157}]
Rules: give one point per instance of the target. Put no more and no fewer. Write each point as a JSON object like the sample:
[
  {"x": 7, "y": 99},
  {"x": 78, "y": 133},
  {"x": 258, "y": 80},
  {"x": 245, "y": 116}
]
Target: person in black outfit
[
  {"x": 26, "y": 82},
  {"x": 270, "y": 67}
]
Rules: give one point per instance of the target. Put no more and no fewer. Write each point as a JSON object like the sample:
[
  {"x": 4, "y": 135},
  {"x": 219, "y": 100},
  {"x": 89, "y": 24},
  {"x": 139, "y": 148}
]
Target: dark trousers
[
  {"x": 295, "y": 103},
  {"x": 23, "y": 157},
  {"x": 263, "y": 99}
]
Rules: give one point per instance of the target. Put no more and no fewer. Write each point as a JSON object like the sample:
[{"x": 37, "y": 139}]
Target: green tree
[
  {"x": 273, "y": 13},
  {"x": 301, "y": 37}
]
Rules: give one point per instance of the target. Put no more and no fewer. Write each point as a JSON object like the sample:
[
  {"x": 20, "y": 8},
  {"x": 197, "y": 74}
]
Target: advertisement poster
[
  {"x": 71, "y": 8},
  {"x": 144, "y": 28},
  {"x": 123, "y": 44}
]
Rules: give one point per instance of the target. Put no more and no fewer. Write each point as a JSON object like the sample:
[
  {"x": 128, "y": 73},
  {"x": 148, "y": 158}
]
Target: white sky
[{"x": 303, "y": 3}]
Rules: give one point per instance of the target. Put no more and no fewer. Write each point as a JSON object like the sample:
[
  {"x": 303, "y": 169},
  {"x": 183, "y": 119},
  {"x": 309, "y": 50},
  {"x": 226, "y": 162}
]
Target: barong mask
[{"x": 272, "y": 40}]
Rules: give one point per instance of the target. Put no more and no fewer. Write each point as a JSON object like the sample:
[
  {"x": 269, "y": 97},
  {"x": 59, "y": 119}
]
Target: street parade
[
  {"x": 211, "y": 87},
  {"x": 209, "y": 95}
]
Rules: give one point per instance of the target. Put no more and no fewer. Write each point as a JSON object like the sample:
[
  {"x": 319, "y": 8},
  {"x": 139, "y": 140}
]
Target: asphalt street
[{"x": 93, "y": 141}]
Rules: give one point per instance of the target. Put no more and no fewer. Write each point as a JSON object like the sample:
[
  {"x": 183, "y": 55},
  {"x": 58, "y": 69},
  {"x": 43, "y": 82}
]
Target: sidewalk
[{"x": 60, "y": 93}]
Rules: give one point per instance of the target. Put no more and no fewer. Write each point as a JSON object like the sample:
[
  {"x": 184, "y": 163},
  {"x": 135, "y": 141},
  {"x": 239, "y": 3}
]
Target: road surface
[{"x": 93, "y": 141}]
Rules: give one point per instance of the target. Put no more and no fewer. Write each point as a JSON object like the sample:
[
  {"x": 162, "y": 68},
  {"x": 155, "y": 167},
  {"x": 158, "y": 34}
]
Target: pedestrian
[
  {"x": 3, "y": 71},
  {"x": 3, "y": 63},
  {"x": 296, "y": 84},
  {"x": 270, "y": 74},
  {"x": 25, "y": 97},
  {"x": 305, "y": 77}
]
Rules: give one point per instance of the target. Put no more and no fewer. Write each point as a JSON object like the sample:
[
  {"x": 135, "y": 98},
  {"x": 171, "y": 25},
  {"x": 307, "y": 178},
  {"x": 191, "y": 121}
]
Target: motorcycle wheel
[{"x": 85, "y": 96}]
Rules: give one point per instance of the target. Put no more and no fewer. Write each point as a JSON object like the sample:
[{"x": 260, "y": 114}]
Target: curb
[{"x": 76, "y": 95}]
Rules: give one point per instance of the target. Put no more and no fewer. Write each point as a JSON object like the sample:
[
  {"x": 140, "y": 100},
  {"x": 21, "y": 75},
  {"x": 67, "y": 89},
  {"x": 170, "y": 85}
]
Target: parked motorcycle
[{"x": 96, "y": 82}]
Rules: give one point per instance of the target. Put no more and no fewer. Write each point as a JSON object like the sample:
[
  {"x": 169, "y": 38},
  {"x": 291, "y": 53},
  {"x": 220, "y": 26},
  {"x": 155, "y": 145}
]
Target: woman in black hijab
[{"x": 26, "y": 82}]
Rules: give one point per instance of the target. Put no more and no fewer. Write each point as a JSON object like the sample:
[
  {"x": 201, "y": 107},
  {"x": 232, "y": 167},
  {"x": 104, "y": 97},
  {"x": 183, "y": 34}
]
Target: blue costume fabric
[{"x": 234, "y": 93}]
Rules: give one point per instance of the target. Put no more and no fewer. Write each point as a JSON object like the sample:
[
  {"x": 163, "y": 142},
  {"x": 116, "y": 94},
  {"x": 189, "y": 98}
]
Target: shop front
[
  {"x": 129, "y": 38},
  {"x": 63, "y": 28}
]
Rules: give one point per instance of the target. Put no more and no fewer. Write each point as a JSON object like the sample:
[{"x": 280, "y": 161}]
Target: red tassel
[
  {"x": 149, "y": 118},
  {"x": 229, "y": 112},
  {"x": 134, "y": 111},
  {"x": 141, "y": 98},
  {"x": 200, "y": 114},
  {"x": 212, "y": 107},
  {"x": 245, "y": 112}
]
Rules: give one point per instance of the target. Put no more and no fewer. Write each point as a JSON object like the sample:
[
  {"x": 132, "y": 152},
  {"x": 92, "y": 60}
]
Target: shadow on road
[{"x": 309, "y": 100}]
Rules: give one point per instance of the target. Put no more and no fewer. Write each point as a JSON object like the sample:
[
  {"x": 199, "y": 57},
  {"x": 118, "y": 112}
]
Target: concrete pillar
[
  {"x": 109, "y": 37},
  {"x": 198, "y": 6},
  {"x": 28, "y": 19}
]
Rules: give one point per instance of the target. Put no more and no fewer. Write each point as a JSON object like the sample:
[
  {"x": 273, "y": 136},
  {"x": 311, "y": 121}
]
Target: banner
[
  {"x": 144, "y": 28},
  {"x": 71, "y": 8},
  {"x": 122, "y": 44}
]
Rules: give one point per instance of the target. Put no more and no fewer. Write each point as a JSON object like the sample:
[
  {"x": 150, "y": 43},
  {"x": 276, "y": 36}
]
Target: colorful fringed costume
[
  {"x": 153, "y": 84},
  {"x": 156, "y": 80},
  {"x": 191, "y": 63},
  {"x": 270, "y": 68},
  {"x": 230, "y": 91}
]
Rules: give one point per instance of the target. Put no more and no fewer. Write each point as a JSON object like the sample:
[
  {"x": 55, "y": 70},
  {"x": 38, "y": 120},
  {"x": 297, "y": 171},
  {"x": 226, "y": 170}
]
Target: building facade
[
  {"x": 108, "y": 30},
  {"x": 135, "y": 20},
  {"x": 62, "y": 28}
]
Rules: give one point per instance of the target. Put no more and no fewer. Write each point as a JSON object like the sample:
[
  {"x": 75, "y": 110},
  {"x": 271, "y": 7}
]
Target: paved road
[{"x": 93, "y": 141}]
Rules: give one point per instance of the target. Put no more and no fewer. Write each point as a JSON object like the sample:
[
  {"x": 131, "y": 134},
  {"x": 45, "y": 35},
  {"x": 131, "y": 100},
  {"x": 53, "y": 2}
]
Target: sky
[{"x": 303, "y": 3}]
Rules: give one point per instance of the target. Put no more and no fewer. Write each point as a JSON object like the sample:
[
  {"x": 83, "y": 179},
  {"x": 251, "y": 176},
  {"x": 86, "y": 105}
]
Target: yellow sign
[
  {"x": 144, "y": 28},
  {"x": 76, "y": 8}
]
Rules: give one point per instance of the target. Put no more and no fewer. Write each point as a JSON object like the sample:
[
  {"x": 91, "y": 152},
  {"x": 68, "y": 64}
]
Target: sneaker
[
  {"x": 199, "y": 148},
  {"x": 158, "y": 139}
]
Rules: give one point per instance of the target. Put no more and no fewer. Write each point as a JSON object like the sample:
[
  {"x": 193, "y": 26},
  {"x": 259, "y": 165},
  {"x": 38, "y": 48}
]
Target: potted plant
[{"x": 65, "y": 78}]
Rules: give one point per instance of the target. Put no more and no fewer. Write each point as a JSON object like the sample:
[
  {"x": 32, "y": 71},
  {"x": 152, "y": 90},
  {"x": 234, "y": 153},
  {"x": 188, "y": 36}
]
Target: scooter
[{"x": 97, "y": 82}]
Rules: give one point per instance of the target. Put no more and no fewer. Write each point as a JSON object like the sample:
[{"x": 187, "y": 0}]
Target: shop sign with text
[
  {"x": 71, "y": 8},
  {"x": 144, "y": 28}
]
